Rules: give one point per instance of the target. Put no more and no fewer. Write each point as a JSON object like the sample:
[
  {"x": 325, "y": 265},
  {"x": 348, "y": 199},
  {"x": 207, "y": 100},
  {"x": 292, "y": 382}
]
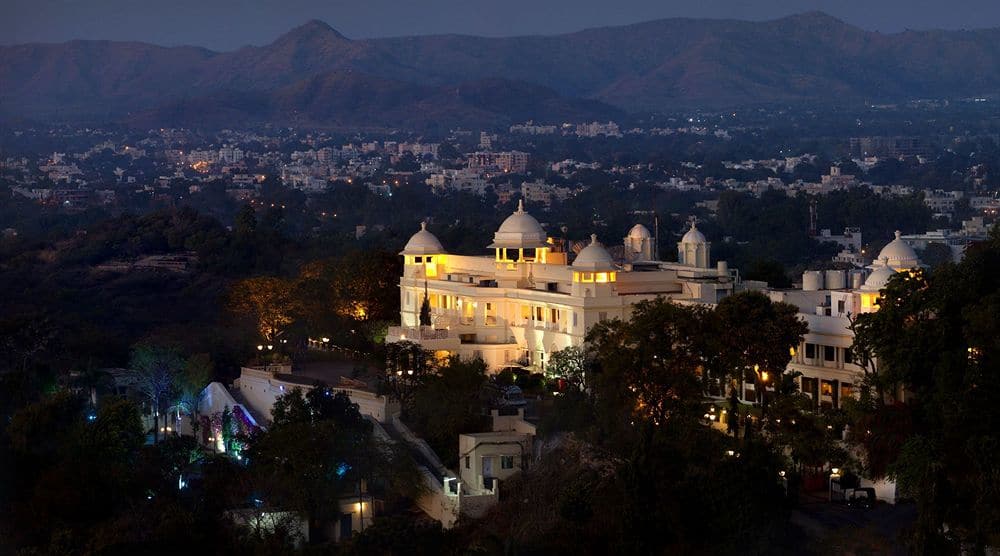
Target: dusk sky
[{"x": 228, "y": 24}]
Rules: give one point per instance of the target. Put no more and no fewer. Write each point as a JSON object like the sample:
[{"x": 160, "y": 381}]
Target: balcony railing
[{"x": 418, "y": 333}]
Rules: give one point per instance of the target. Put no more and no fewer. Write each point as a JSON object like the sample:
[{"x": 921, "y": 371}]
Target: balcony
[{"x": 427, "y": 336}]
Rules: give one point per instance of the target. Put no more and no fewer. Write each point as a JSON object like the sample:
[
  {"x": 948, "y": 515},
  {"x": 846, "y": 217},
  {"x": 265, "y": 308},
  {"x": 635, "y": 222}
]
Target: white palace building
[{"x": 529, "y": 300}]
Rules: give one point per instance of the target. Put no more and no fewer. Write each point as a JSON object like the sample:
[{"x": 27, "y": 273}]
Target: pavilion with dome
[{"x": 530, "y": 296}]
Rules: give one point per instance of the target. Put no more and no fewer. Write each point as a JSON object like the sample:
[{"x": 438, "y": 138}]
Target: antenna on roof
[
  {"x": 656, "y": 237},
  {"x": 812, "y": 217}
]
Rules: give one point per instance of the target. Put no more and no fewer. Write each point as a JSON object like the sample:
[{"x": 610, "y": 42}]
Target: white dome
[
  {"x": 878, "y": 278},
  {"x": 423, "y": 243},
  {"x": 693, "y": 235},
  {"x": 594, "y": 257},
  {"x": 639, "y": 232},
  {"x": 520, "y": 231},
  {"x": 899, "y": 254}
]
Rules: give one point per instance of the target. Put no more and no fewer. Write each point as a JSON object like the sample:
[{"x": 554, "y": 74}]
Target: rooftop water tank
[
  {"x": 836, "y": 279},
  {"x": 812, "y": 280}
]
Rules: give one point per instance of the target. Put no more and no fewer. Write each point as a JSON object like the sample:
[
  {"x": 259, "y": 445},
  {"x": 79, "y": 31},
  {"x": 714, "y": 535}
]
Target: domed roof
[
  {"x": 423, "y": 243},
  {"x": 639, "y": 232},
  {"x": 520, "y": 231},
  {"x": 879, "y": 277},
  {"x": 899, "y": 254},
  {"x": 594, "y": 257},
  {"x": 693, "y": 235}
]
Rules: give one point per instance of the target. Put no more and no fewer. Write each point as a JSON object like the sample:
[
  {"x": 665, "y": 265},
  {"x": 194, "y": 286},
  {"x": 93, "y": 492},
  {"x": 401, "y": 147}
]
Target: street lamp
[{"x": 834, "y": 474}]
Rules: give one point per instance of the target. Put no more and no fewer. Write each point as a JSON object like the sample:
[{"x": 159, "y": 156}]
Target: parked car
[{"x": 862, "y": 498}]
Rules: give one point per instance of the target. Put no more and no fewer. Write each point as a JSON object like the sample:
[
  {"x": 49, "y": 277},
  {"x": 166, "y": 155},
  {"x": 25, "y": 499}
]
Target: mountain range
[{"x": 313, "y": 75}]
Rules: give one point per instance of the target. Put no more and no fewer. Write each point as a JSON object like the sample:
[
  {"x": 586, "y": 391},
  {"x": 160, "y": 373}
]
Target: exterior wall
[
  {"x": 260, "y": 387},
  {"x": 482, "y": 456},
  {"x": 507, "y": 313},
  {"x": 361, "y": 512},
  {"x": 823, "y": 357}
]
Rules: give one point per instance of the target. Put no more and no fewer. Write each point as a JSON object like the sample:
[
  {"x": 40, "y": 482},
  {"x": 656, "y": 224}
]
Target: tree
[
  {"x": 425, "y": 312},
  {"x": 246, "y": 222},
  {"x": 267, "y": 301},
  {"x": 647, "y": 368},
  {"x": 569, "y": 364},
  {"x": 408, "y": 366},
  {"x": 758, "y": 336},
  {"x": 449, "y": 402},
  {"x": 155, "y": 371},
  {"x": 319, "y": 450},
  {"x": 936, "y": 337},
  {"x": 935, "y": 254},
  {"x": 23, "y": 338},
  {"x": 75, "y": 467},
  {"x": 196, "y": 375}
]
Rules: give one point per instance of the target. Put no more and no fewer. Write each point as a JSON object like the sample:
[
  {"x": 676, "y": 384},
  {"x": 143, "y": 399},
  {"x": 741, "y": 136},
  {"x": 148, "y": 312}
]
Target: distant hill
[{"x": 315, "y": 74}]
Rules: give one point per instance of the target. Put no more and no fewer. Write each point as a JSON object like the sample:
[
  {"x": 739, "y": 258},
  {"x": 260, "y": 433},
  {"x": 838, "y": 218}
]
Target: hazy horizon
[{"x": 229, "y": 24}]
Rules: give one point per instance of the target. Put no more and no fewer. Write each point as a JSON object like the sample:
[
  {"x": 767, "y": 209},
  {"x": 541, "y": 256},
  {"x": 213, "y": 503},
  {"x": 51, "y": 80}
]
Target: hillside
[{"x": 315, "y": 72}]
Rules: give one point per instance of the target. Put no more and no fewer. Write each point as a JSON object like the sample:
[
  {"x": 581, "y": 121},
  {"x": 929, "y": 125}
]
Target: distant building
[
  {"x": 596, "y": 129},
  {"x": 888, "y": 147},
  {"x": 530, "y": 128},
  {"x": 512, "y": 162},
  {"x": 942, "y": 202}
]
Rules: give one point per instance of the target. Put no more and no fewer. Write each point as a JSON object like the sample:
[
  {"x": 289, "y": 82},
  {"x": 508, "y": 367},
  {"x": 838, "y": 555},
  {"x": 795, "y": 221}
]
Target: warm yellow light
[
  {"x": 764, "y": 376},
  {"x": 791, "y": 351}
]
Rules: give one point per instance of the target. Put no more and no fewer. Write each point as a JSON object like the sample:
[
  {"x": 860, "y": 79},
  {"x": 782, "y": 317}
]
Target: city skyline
[{"x": 226, "y": 25}]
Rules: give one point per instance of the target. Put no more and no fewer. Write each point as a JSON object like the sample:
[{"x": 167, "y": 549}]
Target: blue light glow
[{"x": 342, "y": 469}]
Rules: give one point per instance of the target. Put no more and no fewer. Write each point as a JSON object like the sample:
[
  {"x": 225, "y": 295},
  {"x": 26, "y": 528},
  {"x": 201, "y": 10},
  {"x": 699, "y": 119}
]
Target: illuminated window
[
  {"x": 826, "y": 387},
  {"x": 869, "y": 300},
  {"x": 846, "y": 390},
  {"x": 525, "y": 312}
]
